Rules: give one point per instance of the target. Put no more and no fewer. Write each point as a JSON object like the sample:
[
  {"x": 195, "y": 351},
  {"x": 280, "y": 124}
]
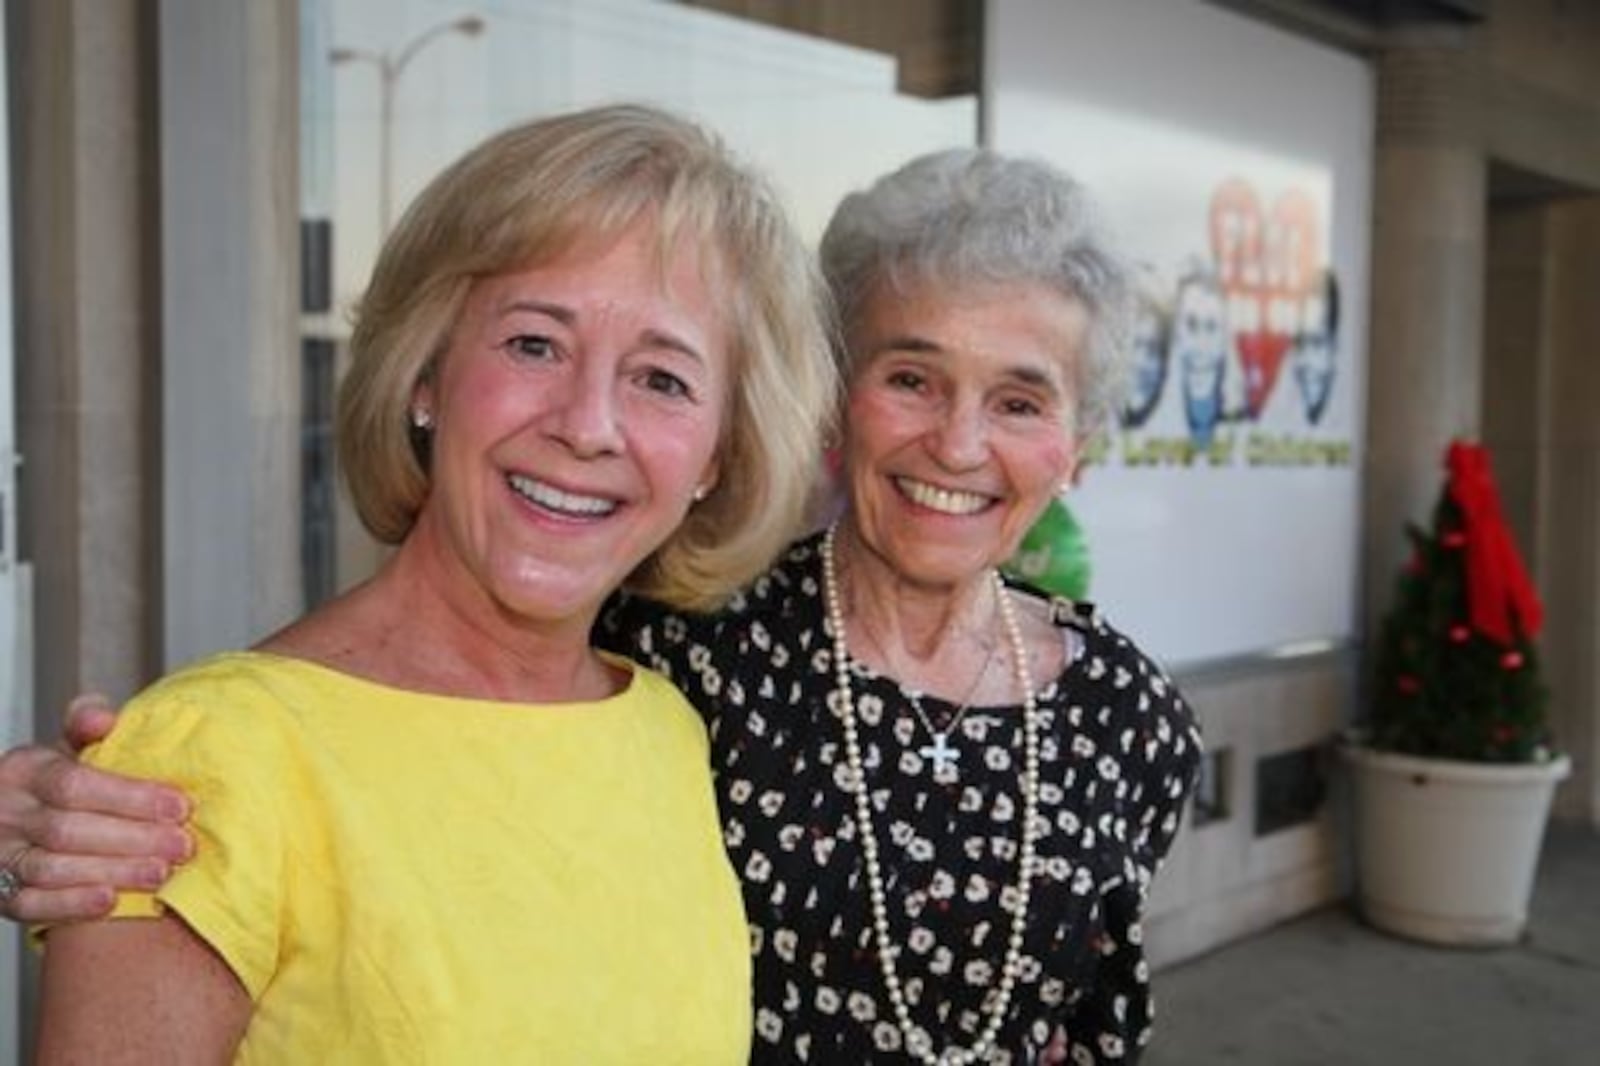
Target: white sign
[{"x": 1234, "y": 163}]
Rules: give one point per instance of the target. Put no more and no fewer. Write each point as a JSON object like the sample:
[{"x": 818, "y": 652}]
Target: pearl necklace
[{"x": 919, "y": 1044}]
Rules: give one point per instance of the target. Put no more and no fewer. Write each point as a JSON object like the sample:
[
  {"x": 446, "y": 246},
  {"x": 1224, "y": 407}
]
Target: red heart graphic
[{"x": 1265, "y": 265}]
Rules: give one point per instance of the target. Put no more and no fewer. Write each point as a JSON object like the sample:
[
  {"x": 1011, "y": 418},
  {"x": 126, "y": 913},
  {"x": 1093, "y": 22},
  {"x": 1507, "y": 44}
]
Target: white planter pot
[{"x": 1446, "y": 851}]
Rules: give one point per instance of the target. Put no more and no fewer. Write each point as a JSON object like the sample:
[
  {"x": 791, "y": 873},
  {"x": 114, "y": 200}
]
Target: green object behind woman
[{"x": 1054, "y": 554}]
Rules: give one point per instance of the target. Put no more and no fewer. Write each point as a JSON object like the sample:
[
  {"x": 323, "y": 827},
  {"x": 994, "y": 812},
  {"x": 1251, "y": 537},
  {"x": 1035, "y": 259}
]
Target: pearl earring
[
  {"x": 701, "y": 492},
  {"x": 422, "y": 418}
]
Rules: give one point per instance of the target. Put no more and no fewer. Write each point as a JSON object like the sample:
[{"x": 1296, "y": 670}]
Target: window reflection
[{"x": 391, "y": 90}]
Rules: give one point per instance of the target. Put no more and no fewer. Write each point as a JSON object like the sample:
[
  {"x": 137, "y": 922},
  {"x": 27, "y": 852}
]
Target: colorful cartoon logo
[
  {"x": 1152, "y": 331},
  {"x": 1199, "y": 349},
  {"x": 1265, "y": 264},
  {"x": 1262, "y": 306}
]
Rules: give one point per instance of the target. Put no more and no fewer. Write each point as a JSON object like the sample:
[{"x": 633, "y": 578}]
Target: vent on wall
[
  {"x": 1291, "y": 788},
  {"x": 1211, "y": 792}
]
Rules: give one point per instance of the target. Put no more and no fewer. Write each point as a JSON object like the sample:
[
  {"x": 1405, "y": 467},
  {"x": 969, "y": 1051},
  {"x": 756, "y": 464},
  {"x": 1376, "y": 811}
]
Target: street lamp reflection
[{"x": 390, "y": 64}]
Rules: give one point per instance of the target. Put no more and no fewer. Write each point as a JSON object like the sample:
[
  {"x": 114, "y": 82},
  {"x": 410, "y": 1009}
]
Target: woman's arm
[
  {"x": 137, "y": 991},
  {"x": 72, "y": 833}
]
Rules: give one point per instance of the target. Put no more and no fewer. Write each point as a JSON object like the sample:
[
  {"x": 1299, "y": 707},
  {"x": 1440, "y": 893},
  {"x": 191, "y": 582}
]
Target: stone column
[
  {"x": 87, "y": 365},
  {"x": 87, "y": 343},
  {"x": 1424, "y": 364},
  {"x": 230, "y": 308}
]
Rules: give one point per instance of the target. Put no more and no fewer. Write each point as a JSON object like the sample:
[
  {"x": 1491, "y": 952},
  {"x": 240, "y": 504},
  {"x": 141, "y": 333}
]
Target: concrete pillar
[
  {"x": 1424, "y": 368},
  {"x": 87, "y": 360},
  {"x": 87, "y": 341},
  {"x": 158, "y": 365},
  {"x": 230, "y": 302}
]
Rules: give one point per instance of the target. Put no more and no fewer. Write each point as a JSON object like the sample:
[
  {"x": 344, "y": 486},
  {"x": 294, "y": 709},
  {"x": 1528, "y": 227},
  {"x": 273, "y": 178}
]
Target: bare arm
[
  {"x": 73, "y": 833},
  {"x": 137, "y": 991}
]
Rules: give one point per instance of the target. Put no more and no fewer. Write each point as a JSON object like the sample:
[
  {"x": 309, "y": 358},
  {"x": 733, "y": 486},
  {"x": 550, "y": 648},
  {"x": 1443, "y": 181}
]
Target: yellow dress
[{"x": 407, "y": 878}]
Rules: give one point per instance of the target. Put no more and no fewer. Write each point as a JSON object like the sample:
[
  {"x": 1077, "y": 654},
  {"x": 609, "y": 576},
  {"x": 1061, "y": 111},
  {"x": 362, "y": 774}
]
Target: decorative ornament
[{"x": 940, "y": 755}]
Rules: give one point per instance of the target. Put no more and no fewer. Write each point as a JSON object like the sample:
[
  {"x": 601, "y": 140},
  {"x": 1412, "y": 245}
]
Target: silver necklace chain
[
  {"x": 939, "y": 754},
  {"x": 919, "y": 1043}
]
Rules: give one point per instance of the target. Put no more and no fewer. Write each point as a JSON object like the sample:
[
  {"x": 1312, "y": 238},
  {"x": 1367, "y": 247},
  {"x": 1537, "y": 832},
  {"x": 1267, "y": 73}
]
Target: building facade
[{"x": 158, "y": 161}]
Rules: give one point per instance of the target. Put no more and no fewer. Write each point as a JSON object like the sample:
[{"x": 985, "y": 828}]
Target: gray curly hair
[{"x": 973, "y": 216}]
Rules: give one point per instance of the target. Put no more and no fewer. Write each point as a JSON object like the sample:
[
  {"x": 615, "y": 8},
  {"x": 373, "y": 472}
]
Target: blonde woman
[{"x": 434, "y": 823}]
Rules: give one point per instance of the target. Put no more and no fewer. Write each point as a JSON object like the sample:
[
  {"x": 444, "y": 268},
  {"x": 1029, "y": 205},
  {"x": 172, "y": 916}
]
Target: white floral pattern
[{"x": 1119, "y": 755}]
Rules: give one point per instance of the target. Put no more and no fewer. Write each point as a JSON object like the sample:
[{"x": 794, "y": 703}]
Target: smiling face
[
  {"x": 577, "y": 410},
  {"x": 960, "y": 425},
  {"x": 1313, "y": 356},
  {"x": 1149, "y": 365},
  {"x": 1199, "y": 339},
  {"x": 1199, "y": 348}
]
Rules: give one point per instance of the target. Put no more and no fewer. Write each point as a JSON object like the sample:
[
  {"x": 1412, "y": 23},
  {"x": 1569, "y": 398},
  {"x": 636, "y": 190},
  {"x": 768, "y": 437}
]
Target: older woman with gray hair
[{"x": 945, "y": 795}]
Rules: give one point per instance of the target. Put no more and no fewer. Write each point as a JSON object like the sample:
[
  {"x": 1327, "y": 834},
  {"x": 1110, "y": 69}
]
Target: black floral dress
[{"x": 1118, "y": 756}]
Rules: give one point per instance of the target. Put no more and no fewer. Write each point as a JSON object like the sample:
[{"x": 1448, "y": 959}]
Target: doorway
[{"x": 1541, "y": 384}]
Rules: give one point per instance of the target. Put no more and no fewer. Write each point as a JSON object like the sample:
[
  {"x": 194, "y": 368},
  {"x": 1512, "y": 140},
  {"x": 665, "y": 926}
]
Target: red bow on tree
[{"x": 1497, "y": 583}]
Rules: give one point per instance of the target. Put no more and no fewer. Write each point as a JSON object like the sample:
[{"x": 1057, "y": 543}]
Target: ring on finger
[{"x": 11, "y": 874}]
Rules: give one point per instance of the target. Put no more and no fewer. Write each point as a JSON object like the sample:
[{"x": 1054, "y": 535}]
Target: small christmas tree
[{"x": 1457, "y": 672}]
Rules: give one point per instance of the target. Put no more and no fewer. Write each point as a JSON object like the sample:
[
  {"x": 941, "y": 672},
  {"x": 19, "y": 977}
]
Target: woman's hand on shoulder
[{"x": 70, "y": 835}]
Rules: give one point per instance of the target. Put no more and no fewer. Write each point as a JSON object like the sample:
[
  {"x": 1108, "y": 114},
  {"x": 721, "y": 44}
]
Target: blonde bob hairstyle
[{"x": 522, "y": 199}]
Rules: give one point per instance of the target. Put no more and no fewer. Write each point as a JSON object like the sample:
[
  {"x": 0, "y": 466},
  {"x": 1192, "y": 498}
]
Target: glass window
[{"x": 392, "y": 90}]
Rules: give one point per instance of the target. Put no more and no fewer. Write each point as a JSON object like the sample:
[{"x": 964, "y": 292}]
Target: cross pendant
[{"x": 942, "y": 755}]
